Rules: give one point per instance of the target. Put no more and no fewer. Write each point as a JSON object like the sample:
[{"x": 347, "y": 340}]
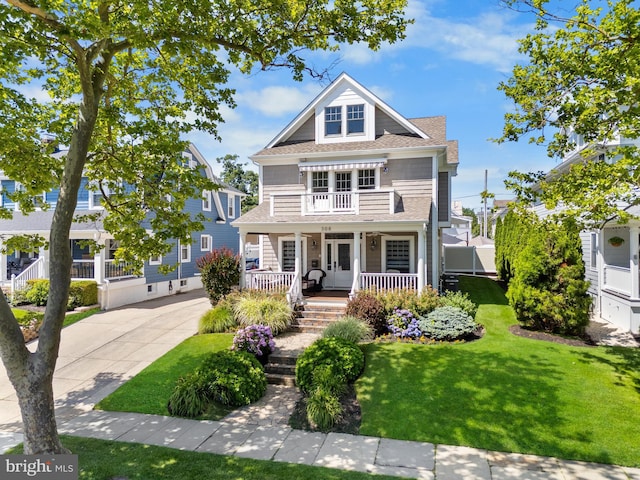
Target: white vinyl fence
[{"x": 474, "y": 260}]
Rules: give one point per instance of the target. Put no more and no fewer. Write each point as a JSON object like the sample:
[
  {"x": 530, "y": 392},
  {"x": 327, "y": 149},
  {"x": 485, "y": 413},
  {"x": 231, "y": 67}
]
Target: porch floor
[{"x": 327, "y": 296}]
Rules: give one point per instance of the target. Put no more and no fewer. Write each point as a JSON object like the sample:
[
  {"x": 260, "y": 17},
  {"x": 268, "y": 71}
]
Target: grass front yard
[
  {"x": 506, "y": 393},
  {"x": 149, "y": 391}
]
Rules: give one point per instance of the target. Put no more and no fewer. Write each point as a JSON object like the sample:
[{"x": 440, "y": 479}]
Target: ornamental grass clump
[
  {"x": 403, "y": 324},
  {"x": 219, "y": 319},
  {"x": 350, "y": 328},
  {"x": 447, "y": 323},
  {"x": 273, "y": 312},
  {"x": 255, "y": 339}
]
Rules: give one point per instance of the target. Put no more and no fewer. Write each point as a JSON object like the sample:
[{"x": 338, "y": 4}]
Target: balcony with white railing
[{"x": 375, "y": 202}]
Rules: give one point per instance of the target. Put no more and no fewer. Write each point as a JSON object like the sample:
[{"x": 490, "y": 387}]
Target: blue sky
[{"x": 450, "y": 64}]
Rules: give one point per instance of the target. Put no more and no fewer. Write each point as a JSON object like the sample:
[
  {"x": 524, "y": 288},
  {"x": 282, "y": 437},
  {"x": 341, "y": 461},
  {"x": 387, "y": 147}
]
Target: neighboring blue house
[{"x": 117, "y": 285}]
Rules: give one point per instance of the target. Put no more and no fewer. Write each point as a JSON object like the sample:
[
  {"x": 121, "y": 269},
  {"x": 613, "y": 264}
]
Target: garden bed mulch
[
  {"x": 550, "y": 337},
  {"x": 349, "y": 421}
]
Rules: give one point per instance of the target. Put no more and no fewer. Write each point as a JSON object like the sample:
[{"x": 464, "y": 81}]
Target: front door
[{"x": 338, "y": 265}]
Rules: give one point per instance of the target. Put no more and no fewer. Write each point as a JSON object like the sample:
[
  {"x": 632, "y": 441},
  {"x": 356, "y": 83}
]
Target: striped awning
[{"x": 333, "y": 165}]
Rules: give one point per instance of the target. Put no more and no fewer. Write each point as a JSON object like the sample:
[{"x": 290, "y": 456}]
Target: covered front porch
[
  {"x": 349, "y": 261},
  {"x": 619, "y": 277}
]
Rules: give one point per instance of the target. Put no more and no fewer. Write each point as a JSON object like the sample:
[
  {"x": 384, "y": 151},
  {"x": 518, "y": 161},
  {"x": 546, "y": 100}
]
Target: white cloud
[{"x": 275, "y": 101}]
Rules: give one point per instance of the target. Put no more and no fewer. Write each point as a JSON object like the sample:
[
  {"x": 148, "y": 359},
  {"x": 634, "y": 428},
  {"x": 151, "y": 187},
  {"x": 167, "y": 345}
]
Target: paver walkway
[{"x": 100, "y": 353}]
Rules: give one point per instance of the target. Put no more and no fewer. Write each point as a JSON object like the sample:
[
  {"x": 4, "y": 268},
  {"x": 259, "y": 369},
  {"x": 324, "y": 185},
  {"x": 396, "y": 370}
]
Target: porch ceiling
[{"x": 40, "y": 221}]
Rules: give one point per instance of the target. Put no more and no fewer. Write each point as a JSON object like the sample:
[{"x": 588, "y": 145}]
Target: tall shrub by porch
[
  {"x": 220, "y": 270},
  {"x": 542, "y": 263}
]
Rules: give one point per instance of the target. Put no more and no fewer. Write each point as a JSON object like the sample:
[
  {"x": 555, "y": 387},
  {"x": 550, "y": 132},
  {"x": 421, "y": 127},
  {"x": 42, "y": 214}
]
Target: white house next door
[{"x": 338, "y": 264}]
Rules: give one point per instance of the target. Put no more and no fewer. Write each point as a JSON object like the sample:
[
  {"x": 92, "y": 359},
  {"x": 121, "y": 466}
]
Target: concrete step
[{"x": 279, "y": 379}]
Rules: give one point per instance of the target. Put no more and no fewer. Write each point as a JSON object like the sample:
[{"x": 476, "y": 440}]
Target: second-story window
[
  {"x": 366, "y": 179},
  {"x": 206, "y": 201},
  {"x": 231, "y": 206},
  {"x": 320, "y": 182},
  {"x": 333, "y": 121},
  {"x": 355, "y": 119}
]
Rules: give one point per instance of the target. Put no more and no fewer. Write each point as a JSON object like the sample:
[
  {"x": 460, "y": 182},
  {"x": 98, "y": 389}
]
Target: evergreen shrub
[
  {"x": 447, "y": 323},
  {"x": 343, "y": 358}
]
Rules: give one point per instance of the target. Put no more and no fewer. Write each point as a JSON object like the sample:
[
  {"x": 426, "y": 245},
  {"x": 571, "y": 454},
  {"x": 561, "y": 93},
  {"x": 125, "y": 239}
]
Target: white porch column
[
  {"x": 422, "y": 251},
  {"x": 3, "y": 264},
  {"x": 99, "y": 270},
  {"x": 633, "y": 262},
  {"x": 243, "y": 262},
  {"x": 43, "y": 253},
  {"x": 355, "y": 283},
  {"x": 298, "y": 263}
]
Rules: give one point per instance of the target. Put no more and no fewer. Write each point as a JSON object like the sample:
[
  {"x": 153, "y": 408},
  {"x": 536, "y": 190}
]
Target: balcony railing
[
  {"x": 338, "y": 202},
  {"x": 374, "y": 202}
]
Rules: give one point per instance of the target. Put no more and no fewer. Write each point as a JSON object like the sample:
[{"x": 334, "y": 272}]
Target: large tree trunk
[{"x": 32, "y": 373}]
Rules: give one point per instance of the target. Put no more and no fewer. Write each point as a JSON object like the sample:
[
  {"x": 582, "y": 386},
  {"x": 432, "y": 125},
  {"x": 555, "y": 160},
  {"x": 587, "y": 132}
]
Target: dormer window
[
  {"x": 355, "y": 119},
  {"x": 333, "y": 120}
]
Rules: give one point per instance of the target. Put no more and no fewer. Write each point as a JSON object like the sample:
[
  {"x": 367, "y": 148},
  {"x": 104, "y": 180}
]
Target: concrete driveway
[{"x": 101, "y": 352}]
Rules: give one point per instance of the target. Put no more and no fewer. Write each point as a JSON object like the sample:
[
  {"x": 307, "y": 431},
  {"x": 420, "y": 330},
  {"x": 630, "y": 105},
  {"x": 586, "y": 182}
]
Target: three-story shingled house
[{"x": 352, "y": 188}]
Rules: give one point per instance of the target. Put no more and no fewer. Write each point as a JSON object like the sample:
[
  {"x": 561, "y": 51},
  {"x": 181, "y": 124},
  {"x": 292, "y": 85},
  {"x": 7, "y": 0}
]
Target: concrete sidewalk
[{"x": 103, "y": 351}]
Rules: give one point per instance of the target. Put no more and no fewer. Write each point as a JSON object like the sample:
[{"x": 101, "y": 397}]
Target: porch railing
[
  {"x": 34, "y": 271},
  {"x": 388, "y": 281},
  {"x": 272, "y": 282},
  {"x": 85, "y": 269},
  {"x": 336, "y": 202},
  {"x": 617, "y": 278}
]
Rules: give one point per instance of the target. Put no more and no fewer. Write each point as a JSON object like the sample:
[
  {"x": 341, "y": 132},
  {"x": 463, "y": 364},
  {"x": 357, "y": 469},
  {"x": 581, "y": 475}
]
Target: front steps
[
  {"x": 314, "y": 317},
  {"x": 310, "y": 320}
]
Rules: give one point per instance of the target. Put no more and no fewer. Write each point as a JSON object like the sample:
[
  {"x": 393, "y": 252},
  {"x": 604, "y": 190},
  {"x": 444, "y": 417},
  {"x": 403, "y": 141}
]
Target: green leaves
[{"x": 579, "y": 89}]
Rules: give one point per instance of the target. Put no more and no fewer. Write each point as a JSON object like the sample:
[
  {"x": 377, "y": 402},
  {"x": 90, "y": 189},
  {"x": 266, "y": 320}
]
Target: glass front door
[{"x": 338, "y": 265}]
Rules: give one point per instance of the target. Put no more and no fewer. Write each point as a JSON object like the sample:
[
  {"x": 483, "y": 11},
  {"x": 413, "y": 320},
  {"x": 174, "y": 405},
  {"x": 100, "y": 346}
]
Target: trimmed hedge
[{"x": 343, "y": 358}]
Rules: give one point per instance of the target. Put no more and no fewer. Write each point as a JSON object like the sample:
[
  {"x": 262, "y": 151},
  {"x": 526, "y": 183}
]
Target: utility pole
[{"x": 484, "y": 224}]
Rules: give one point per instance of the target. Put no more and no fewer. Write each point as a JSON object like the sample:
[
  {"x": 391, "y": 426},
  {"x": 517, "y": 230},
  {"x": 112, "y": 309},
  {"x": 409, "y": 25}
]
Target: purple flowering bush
[
  {"x": 403, "y": 324},
  {"x": 256, "y": 339}
]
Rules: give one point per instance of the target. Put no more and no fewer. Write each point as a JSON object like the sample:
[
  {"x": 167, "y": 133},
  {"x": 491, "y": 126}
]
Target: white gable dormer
[{"x": 345, "y": 116}]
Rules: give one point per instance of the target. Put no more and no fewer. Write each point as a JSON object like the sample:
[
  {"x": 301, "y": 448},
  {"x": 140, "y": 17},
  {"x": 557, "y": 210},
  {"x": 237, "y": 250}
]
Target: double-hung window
[
  {"x": 205, "y": 243},
  {"x": 333, "y": 121},
  {"x": 355, "y": 119},
  {"x": 366, "y": 179}
]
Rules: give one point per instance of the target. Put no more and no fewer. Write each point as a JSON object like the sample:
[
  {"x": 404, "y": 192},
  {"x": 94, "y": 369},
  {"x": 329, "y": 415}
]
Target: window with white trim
[
  {"x": 155, "y": 260},
  {"x": 320, "y": 182},
  {"x": 398, "y": 255},
  {"x": 205, "y": 243},
  {"x": 593, "y": 250},
  {"x": 206, "y": 201},
  {"x": 288, "y": 255},
  {"x": 231, "y": 206},
  {"x": 333, "y": 121},
  {"x": 185, "y": 252},
  {"x": 367, "y": 179},
  {"x": 355, "y": 119}
]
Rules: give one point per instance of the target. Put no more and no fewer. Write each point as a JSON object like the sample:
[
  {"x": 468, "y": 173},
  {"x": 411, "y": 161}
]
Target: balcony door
[{"x": 339, "y": 263}]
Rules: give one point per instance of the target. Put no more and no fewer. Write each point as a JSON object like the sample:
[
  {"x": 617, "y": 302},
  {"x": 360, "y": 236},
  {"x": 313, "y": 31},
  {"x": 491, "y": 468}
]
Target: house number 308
[{"x": 326, "y": 229}]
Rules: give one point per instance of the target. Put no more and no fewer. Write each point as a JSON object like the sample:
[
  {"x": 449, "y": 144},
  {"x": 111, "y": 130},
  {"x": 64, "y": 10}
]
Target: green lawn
[
  {"x": 149, "y": 391},
  {"x": 505, "y": 392},
  {"x": 100, "y": 459}
]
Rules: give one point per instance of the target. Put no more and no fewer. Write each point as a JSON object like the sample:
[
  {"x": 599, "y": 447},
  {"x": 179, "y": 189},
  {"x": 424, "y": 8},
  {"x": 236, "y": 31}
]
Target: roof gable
[{"x": 345, "y": 91}]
